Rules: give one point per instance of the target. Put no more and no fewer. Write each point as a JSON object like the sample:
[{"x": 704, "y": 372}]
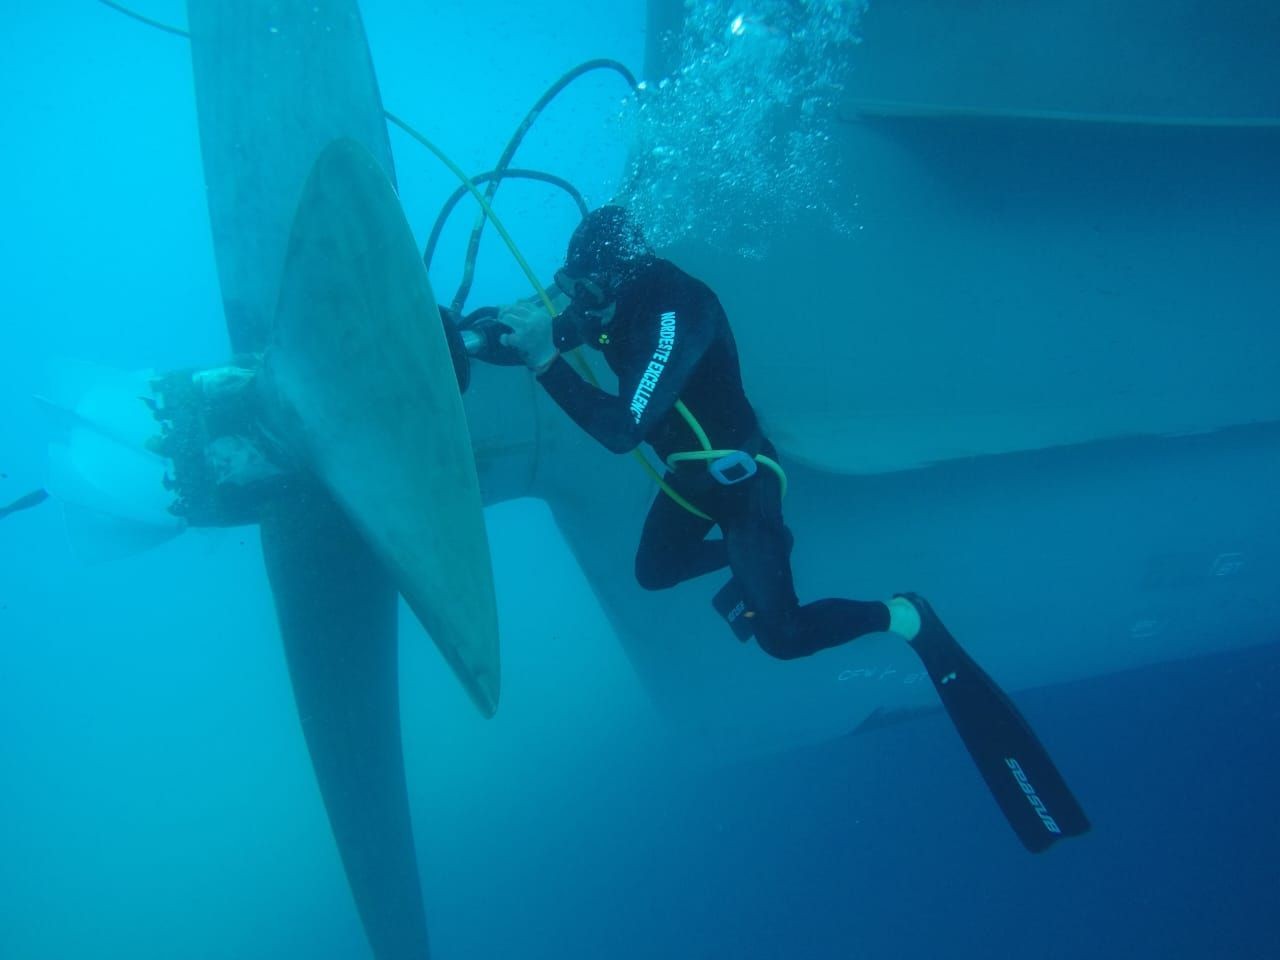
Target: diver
[{"x": 667, "y": 338}]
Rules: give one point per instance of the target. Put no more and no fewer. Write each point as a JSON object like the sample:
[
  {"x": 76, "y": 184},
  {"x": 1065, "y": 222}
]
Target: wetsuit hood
[{"x": 608, "y": 247}]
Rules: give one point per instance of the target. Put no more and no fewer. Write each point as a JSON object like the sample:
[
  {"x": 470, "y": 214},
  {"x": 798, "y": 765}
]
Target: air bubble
[{"x": 710, "y": 160}]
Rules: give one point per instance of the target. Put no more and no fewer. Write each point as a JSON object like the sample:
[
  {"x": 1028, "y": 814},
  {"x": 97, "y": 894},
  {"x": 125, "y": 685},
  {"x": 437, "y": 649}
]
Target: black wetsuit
[{"x": 670, "y": 339}]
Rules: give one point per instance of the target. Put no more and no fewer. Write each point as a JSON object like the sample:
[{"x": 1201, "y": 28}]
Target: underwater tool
[{"x": 1022, "y": 777}]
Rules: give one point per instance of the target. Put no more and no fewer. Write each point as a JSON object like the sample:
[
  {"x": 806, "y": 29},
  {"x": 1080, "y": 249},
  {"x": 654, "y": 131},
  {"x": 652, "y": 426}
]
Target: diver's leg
[
  {"x": 1022, "y": 777},
  {"x": 673, "y": 546},
  {"x": 759, "y": 548}
]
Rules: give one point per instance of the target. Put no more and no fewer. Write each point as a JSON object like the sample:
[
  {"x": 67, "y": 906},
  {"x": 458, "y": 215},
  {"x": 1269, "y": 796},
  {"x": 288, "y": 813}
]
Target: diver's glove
[{"x": 530, "y": 334}]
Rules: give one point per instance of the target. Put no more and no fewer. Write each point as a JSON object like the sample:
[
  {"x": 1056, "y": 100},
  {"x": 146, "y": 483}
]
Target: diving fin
[{"x": 1030, "y": 791}]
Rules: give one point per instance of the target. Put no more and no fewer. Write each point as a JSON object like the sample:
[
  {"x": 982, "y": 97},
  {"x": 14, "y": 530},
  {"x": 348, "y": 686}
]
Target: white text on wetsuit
[{"x": 657, "y": 364}]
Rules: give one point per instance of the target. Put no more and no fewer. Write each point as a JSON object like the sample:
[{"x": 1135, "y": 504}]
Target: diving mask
[{"x": 585, "y": 293}]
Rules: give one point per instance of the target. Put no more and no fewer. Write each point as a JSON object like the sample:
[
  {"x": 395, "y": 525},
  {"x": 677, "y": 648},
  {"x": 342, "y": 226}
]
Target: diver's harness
[{"x": 727, "y": 467}]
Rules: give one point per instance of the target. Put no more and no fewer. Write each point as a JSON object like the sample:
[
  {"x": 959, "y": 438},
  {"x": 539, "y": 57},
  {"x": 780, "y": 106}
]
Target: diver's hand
[{"x": 530, "y": 334}]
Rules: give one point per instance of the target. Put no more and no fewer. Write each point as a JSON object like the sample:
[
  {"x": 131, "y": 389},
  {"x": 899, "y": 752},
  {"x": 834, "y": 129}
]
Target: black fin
[
  {"x": 732, "y": 605},
  {"x": 1019, "y": 772}
]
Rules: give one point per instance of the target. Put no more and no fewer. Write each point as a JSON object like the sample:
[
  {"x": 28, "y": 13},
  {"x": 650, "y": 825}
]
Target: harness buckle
[{"x": 733, "y": 468}]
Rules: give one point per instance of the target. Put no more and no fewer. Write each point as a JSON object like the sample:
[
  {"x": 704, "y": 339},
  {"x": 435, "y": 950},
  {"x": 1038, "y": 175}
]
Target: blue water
[{"x": 156, "y": 798}]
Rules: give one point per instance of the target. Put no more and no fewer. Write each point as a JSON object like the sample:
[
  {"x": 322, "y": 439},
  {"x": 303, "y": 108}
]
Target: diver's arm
[
  {"x": 649, "y": 386},
  {"x": 602, "y": 415},
  {"x": 679, "y": 340}
]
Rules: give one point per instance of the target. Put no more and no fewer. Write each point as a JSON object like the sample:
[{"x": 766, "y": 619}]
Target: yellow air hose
[{"x": 581, "y": 364}]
